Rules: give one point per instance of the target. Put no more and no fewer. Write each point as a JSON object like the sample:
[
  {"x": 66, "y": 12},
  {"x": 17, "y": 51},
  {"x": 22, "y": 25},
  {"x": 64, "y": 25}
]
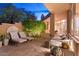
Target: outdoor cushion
[
  {"x": 56, "y": 38},
  {"x": 22, "y": 35},
  {"x": 20, "y": 40},
  {"x": 15, "y": 37},
  {"x": 55, "y": 43}
]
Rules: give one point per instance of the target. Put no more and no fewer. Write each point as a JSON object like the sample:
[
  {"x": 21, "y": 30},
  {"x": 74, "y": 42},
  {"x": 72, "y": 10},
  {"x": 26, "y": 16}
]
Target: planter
[
  {"x": 65, "y": 45},
  {"x": 0, "y": 43},
  {"x": 56, "y": 51},
  {"x": 5, "y": 42}
]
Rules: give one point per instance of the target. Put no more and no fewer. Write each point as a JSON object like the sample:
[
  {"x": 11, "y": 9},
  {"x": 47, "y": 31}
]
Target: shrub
[
  {"x": 56, "y": 51},
  {"x": 1, "y": 37},
  {"x": 34, "y": 28}
]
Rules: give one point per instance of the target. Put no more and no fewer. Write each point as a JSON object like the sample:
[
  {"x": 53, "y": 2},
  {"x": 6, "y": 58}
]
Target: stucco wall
[
  {"x": 5, "y": 26},
  {"x": 47, "y": 22},
  {"x": 77, "y": 9}
]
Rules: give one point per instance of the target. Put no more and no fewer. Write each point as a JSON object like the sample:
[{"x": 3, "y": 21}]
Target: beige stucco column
[
  {"x": 52, "y": 24},
  {"x": 69, "y": 18},
  {"x": 73, "y": 16},
  {"x": 70, "y": 14}
]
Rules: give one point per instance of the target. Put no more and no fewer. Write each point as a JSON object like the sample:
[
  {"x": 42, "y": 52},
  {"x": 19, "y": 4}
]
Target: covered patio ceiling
[{"x": 58, "y": 9}]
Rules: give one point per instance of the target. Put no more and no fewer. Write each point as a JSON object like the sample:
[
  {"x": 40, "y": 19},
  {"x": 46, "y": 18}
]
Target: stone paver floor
[{"x": 30, "y": 48}]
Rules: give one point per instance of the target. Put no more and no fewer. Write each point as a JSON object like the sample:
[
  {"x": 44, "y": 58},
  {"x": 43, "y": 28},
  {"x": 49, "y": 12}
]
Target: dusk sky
[{"x": 37, "y": 8}]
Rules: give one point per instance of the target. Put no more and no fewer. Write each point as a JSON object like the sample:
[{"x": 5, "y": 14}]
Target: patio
[
  {"x": 30, "y": 48},
  {"x": 39, "y": 47}
]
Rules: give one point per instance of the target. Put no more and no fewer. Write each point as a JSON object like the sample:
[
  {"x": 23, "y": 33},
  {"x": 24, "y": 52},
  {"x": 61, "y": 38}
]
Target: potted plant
[
  {"x": 56, "y": 51},
  {"x": 65, "y": 45},
  {"x": 0, "y": 40},
  {"x": 6, "y": 40}
]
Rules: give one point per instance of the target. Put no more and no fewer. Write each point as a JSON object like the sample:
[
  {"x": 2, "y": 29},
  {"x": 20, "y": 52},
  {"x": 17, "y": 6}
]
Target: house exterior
[{"x": 46, "y": 20}]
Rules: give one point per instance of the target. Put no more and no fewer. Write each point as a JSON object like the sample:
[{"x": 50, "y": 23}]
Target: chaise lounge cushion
[
  {"x": 55, "y": 43},
  {"x": 22, "y": 35},
  {"x": 15, "y": 37}
]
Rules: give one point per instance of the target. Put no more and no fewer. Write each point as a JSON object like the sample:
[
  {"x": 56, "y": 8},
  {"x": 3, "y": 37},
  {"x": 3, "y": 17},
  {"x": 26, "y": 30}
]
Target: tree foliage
[
  {"x": 11, "y": 14},
  {"x": 34, "y": 28}
]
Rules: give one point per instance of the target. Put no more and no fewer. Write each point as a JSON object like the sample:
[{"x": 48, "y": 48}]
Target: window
[
  {"x": 76, "y": 26},
  {"x": 61, "y": 26}
]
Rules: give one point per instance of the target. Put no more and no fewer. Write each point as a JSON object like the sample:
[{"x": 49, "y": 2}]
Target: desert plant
[
  {"x": 1, "y": 37},
  {"x": 56, "y": 51},
  {"x": 6, "y": 40},
  {"x": 34, "y": 28},
  {"x": 7, "y": 36}
]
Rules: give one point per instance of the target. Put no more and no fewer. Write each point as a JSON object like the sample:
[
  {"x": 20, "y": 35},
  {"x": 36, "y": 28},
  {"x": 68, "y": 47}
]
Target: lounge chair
[
  {"x": 23, "y": 36},
  {"x": 15, "y": 37}
]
